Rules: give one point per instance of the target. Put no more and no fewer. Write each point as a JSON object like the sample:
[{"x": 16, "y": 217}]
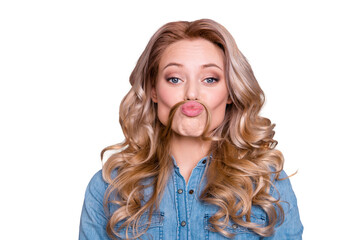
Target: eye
[
  {"x": 211, "y": 80},
  {"x": 173, "y": 80}
]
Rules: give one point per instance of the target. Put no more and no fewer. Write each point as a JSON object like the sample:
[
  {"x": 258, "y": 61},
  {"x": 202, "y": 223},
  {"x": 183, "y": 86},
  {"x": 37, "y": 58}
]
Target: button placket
[
  {"x": 180, "y": 196},
  {"x": 185, "y": 195}
]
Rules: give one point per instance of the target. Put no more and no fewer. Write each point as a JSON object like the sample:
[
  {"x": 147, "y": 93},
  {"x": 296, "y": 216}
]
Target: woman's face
[{"x": 191, "y": 70}]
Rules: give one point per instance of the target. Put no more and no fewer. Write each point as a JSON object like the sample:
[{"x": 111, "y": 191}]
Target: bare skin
[
  {"x": 189, "y": 126},
  {"x": 187, "y": 159},
  {"x": 191, "y": 70}
]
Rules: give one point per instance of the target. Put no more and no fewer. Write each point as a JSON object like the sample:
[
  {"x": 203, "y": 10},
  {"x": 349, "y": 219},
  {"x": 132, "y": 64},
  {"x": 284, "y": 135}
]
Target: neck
[{"x": 187, "y": 152}]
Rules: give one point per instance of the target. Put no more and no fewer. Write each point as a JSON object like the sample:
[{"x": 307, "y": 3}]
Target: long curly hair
[{"x": 244, "y": 159}]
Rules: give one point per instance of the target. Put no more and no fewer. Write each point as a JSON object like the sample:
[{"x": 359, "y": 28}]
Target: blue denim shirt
[{"x": 182, "y": 215}]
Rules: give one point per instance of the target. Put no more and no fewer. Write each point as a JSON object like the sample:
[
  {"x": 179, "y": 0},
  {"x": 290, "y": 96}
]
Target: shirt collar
[{"x": 201, "y": 163}]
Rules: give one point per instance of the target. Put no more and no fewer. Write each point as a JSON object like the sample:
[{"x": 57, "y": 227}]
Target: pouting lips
[{"x": 192, "y": 108}]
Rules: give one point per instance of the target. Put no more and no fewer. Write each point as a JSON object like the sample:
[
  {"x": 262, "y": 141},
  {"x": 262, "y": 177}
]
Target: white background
[{"x": 64, "y": 68}]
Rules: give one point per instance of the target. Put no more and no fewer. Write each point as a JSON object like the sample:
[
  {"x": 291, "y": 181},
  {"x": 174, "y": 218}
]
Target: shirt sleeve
[
  {"x": 291, "y": 228},
  {"x": 93, "y": 219}
]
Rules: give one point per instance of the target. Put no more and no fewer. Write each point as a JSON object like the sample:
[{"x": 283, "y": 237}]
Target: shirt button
[
  {"x": 191, "y": 191},
  {"x": 234, "y": 226},
  {"x": 183, "y": 223},
  {"x": 204, "y": 161},
  {"x": 180, "y": 191}
]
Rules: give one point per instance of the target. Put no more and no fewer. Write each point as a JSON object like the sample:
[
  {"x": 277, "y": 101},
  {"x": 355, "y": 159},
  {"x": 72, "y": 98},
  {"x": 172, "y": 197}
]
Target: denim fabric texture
[{"x": 182, "y": 216}]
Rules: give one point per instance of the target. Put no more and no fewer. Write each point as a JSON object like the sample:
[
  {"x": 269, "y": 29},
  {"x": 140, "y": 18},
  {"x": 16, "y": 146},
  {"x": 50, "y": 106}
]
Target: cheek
[
  {"x": 218, "y": 108},
  {"x": 218, "y": 115},
  {"x": 163, "y": 113},
  {"x": 166, "y": 100}
]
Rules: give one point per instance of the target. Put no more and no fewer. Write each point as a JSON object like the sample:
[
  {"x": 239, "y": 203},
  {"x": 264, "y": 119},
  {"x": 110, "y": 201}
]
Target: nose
[{"x": 192, "y": 90}]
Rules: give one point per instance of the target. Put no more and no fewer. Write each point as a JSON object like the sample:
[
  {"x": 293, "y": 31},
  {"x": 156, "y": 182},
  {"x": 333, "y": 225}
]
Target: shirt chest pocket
[
  {"x": 155, "y": 230},
  {"x": 239, "y": 232}
]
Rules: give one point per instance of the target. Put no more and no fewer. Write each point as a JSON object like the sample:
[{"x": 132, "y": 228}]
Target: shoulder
[
  {"x": 93, "y": 218},
  {"x": 97, "y": 180},
  {"x": 292, "y": 227},
  {"x": 282, "y": 189},
  {"x": 96, "y": 187}
]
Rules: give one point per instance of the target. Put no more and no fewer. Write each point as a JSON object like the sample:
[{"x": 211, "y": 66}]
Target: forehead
[{"x": 192, "y": 52}]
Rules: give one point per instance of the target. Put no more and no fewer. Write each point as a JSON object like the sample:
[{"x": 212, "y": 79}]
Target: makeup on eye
[
  {"x": 173, "y": 80},
  {"x": 208, "y": 80},
  {"x": 212, "y": 80}
]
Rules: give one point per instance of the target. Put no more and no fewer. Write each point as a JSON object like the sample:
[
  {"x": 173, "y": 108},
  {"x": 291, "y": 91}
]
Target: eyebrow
[
  {"x": 203, "y": 66},
  {"x": 211, "y": 65},
  {"x": 173, "y": 64}
]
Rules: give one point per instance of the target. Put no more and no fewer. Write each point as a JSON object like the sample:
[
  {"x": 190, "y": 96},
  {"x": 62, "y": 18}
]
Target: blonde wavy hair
[{"x": 244, "y": 159}]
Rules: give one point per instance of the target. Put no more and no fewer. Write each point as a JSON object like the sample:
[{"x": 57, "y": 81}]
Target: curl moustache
[{"x": 167, "y": 131}]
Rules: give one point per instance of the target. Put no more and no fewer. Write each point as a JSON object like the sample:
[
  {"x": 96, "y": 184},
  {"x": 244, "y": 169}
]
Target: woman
[{"x": 198, "y": 162}]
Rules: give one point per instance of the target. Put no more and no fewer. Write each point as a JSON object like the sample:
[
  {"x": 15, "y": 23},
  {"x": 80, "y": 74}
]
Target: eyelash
[
  {"x": 213, "y": 78},
  {"x": 178, "y": 79},
  {"x": 171, "y": 78}
]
